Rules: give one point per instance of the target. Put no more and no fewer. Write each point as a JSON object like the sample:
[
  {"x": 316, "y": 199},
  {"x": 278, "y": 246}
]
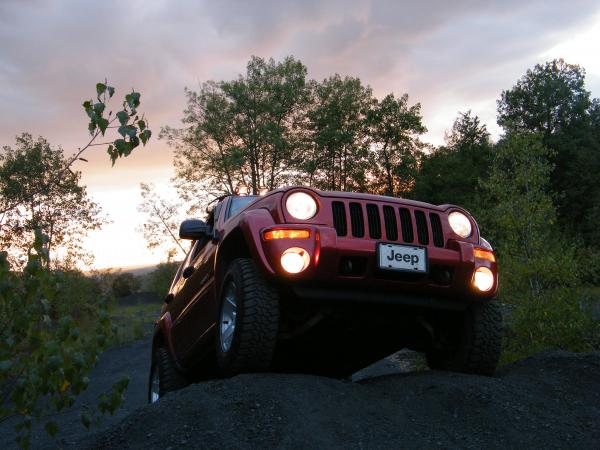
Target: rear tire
[
  {"x": 248, "y": 321},
  {"x": 164, "y": 376},
  {"x": 475, "y": 344}
]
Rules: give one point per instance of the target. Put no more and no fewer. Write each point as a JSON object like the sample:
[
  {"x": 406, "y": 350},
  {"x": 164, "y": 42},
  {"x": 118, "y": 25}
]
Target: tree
[
  {"x": 551, "y": 99},
  {"x": 241, "y": 132},
  {"x": 162, "y": 222},
  {"x": 451, "y": 174},
  {"x": 394, "y": 128},
  {"x": 57, "y": 206},
  {"x": 548, "y": 99},
  {"x": 337, "y": 146},
  {"x": 538, "y": 269}
]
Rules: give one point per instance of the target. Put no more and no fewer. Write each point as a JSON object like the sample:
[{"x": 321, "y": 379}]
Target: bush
[
  {"x": 159, "y": 280},
  {"x": 558, "y": 319},
  {"x": 125, "y": 284},
  {"x": 44, "y": 356}
]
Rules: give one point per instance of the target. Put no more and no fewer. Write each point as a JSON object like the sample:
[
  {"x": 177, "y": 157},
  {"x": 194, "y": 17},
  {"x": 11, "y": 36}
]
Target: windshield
[{"x": 238, "y": 203}]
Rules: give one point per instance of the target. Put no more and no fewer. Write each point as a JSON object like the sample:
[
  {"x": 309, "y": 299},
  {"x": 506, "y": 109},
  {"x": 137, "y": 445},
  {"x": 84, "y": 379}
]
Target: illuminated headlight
[
  {"x": 460, "y": 224},
  {"x": 483, "y": 279},
  {"x": 295, "y": 260},
  {"x": 301, "y": 206}
]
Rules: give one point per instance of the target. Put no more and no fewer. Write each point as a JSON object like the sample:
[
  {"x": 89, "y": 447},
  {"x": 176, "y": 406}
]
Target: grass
[{"x": 132, "y": 322}]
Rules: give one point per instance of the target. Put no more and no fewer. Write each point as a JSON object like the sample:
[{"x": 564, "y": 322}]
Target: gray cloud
[{"x": 53, "y": 52}]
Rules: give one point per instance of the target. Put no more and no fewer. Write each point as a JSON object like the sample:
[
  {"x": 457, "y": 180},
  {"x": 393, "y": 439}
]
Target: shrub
[
  {"x": 44, "y": 356},
  {"x": 125, "y": 284},
  {"x": 159, "y": 280}
]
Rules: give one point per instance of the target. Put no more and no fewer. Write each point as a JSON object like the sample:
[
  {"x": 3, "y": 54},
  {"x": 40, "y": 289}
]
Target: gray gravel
[{"x": 549, "y": 401}]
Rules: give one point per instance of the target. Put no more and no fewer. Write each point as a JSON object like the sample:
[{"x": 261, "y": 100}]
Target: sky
[{"x": 448, "y": 56}]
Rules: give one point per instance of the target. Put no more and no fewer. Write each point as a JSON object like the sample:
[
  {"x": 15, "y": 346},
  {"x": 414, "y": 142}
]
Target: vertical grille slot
[
  {"x": 391, "y": 225},
  {"x": 357, "y": 220},
  {"x": 339, "y": 218},
  {"x": 374, "y": 221},
  {"x": 406, "y": 224},
  {"x": 436, "y": 230},
  {"x": 421, "y": 222}
]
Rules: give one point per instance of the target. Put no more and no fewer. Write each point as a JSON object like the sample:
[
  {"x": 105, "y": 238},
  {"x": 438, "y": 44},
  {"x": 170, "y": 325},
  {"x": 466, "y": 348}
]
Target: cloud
[{"x": 53, "y": 52}]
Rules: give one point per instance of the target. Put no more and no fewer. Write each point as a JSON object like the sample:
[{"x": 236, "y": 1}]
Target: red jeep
[{"x": 326, "y": 282}]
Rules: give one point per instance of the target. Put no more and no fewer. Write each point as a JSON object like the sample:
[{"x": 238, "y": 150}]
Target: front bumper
[{"x": 346, "y": 268}]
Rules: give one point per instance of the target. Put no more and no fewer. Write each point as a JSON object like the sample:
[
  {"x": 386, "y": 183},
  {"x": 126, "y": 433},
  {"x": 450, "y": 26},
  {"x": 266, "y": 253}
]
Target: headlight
[
  {"x": 301, "y": 206},
  {"x": 460, "y": 224},
  {"x": 483, "y": 279}
]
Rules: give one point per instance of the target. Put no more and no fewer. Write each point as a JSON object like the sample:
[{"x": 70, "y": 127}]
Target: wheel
[
  {"x": 164, "y": 376},
  {"x": 475, "y": 343},
  {"x": 248, "y": 320}
]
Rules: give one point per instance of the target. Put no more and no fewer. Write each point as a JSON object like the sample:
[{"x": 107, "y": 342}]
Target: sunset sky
[{"x": 449, "y": 56}]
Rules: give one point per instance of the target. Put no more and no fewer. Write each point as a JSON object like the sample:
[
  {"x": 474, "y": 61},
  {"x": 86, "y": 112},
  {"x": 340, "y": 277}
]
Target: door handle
[{"x": 187, "y": 272}]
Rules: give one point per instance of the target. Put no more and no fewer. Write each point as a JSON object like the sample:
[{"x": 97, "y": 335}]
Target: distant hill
[{"x": 137, "y": 270}]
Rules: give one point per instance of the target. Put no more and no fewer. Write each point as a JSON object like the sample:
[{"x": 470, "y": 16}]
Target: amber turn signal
[
  {"x": 286, "y": 234},
  {"x": 484, "y": 254}
]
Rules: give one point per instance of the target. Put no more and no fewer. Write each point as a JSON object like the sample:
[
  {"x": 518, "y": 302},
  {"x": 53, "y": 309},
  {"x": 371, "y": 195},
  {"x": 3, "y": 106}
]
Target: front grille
[
  {"x": 421, "y": 227},
  {"x": 436, "y": 230},
  {"x": 403, "y": 224},
  {"x": 357, "y": 220},
  {"x": 374, "y": 221},
  {"x": 339, "y": 218},
  {"x": 391, "y": 225},
  {"x": 406, "y": 224}
]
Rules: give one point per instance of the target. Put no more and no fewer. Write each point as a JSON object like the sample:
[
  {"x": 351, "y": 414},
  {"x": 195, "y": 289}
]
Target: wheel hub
[
  {"x": 155, "y": 386},
  {"x": 228, "y": 317}
]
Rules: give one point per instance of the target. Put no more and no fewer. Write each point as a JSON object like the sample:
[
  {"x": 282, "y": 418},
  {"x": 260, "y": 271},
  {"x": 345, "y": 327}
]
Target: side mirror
[{"x": 194, "y": 230}]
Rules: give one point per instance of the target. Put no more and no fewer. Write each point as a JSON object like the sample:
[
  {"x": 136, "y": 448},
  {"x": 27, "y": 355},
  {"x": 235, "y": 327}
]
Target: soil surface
[{"x": 549, "y": 401}]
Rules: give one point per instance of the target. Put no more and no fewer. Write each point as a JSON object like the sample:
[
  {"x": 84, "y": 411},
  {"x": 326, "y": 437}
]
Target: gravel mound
[{"x": 548, "y": 401}]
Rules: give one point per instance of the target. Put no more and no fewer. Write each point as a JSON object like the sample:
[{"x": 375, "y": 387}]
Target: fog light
[
  {"x": 483, "y": 279},
  {"x": 295, "y": 260}
]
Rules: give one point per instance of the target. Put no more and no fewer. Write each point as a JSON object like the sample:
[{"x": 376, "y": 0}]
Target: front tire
[
  {"x": 248, "y": 320},
  {"x": 474, "y": 344},
  {"x": 164, "y": 376}
]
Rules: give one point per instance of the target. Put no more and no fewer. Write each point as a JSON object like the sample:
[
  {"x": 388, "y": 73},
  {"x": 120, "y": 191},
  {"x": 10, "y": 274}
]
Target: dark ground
[{"x": 549, "y": 401}]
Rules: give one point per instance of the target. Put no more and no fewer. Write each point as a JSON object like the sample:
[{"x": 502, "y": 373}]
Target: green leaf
[
  {"x": 99, "y": 108},
  {"x": 111, "y": 91},
  {"x": 5, "y": 365},
  {"x": 51, "y": 428},
  {"x": 145, "y": 136},
  {"x": 123, "y": 117},
  {"x": 100, "y": 88},
  {"x": 133, "y": 100},
  {"x": 102, "y": 124},
  {"x": 127, "y": 130},
  {"x": 141, "y": 124},
  {"x": 112, "y": 152},
  {"x": 122, "y": 147}
]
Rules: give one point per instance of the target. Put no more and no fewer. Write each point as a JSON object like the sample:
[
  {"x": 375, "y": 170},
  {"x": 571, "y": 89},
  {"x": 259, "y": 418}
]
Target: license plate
[{"x": 402, "y": 257}]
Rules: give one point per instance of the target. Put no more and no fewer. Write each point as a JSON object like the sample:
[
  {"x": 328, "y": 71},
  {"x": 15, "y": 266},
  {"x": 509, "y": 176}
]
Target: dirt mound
[{"x": 549, "y": 401}]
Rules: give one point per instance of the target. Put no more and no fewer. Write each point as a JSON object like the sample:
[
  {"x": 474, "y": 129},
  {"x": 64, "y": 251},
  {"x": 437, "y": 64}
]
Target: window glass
[{"x": 237, "y": 203}]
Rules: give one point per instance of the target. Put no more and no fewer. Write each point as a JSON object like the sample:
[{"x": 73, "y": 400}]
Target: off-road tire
[
  {"x": 257, "y": 321},
  {"x": 477, "y": 344},
  {"x": 170, "y": 378}
]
